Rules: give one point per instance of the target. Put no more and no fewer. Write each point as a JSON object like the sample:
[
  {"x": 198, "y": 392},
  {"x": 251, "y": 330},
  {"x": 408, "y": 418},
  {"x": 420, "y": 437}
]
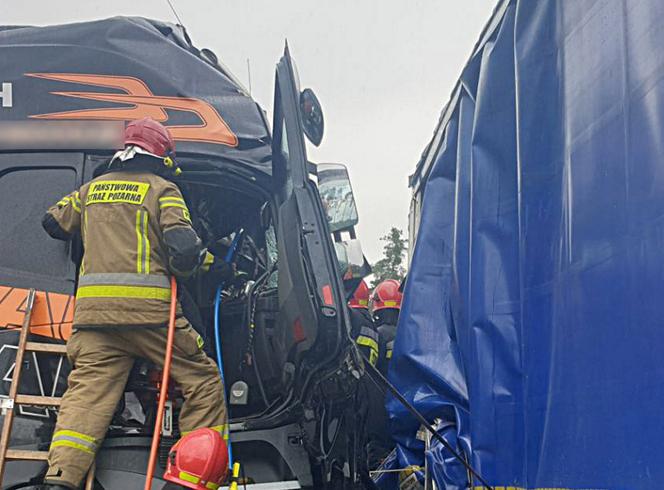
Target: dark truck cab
[{"x": 291, "y": 369}]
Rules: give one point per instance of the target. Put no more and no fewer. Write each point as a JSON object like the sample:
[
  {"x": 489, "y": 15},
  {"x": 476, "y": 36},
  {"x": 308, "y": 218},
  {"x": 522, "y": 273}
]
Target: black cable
[
  {"x": 174, "y": 12},
  {"x": 385, "y": 386}
]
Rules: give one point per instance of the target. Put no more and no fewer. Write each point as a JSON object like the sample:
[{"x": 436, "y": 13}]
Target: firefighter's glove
[{"x": 222, "y": 271}]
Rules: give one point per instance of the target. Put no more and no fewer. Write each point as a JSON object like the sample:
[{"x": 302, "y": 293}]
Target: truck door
[{"x": 312, "y": 310}]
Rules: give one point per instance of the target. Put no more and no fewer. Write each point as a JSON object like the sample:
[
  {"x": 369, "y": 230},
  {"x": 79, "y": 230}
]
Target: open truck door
[{"x": 311, "y": 302}]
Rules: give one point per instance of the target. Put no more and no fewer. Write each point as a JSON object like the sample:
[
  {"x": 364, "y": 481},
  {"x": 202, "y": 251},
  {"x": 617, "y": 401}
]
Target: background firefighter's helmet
[
  {"x": 360, "y": 297},
  {"x": 386, "y": 295},
  {"x": 199, "y": 460},
  {"x": 151, "y": 136}
]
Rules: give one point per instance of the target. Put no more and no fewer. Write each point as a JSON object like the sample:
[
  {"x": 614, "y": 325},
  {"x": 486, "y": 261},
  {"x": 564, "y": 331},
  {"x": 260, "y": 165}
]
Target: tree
[{"x": 391, "y": 266}]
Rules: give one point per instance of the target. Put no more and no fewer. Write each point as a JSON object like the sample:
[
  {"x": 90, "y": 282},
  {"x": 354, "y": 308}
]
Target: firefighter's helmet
[
  {"x": 386, "y": 295},
  {"x": 198, "y": 460},
  {"x": 360, "y": 297},
  {"x": 148, "y": 137},
  {"x": 151, "y": 136}
]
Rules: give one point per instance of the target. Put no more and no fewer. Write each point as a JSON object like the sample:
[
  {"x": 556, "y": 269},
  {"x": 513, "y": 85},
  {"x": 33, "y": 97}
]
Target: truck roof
[{"x": 123, "y": 68}]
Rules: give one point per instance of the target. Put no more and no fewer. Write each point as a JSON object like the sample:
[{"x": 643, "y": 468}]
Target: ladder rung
[
  {"x": 42, "y": 347},
  {"x": 21, "y": 454},
  {"x": 38, "y": 401}
]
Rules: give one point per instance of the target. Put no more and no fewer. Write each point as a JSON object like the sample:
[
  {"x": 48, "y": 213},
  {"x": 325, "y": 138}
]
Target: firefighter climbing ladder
[{"x": 8, "y": 405}]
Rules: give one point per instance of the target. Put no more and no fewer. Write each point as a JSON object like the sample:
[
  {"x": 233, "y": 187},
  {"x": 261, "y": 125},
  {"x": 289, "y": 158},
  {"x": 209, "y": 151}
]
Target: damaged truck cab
[{"x": 291, "y": 369}]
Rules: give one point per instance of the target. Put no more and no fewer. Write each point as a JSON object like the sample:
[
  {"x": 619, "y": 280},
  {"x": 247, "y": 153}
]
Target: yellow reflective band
[
  {"x": 211, "y": 485},
  {"x": 69, "y": 200},
  {"x": 173, "y": 205},
  {"x": 390, "y": 303},
  {"x": 171, "y": 199},
  {"x": 389, "y": 354},
  {"x": 72, "y": 433},
  {"x": 146, "y": 244},
  {"x": 141, "y": 292},
  {"x": 139, "y": 242},
  {"x": 366, "y": 341},
  {"x": 72, "y": 444},
  {"x": 74, "y": 204},
  {"x": 207, "y": 262},
  {"x": 188, "y": 477},
  {"x": 373, "y": 357},
  {"x": 363, "y": 302},
  {"x": 117, "y": 191},
  {"x": 200, "y": 342},
  {"x": 222, "y": 429}
]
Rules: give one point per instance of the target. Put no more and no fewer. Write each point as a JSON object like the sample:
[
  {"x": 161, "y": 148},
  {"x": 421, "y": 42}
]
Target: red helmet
[
  {"x": 151, "y": 136},
  {"x": 360, "y": 297},
  {"x": 198, "y": 460},
  {"x": 386, "y": 295}
]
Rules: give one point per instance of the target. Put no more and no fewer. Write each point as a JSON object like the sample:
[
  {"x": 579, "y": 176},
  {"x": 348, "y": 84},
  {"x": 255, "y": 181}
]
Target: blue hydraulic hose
[{"x": 217, "y": 330}]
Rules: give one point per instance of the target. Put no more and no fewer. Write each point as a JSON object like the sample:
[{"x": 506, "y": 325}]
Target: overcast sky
[{"x": 383, "y": 69}]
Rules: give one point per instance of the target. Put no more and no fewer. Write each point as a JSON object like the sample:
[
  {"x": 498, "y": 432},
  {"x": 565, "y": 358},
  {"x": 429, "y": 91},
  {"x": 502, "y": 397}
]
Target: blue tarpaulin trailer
[{"x": 533, "y": 319}]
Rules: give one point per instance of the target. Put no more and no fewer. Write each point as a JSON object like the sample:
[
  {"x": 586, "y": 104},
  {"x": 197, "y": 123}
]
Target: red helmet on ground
[
  {"x": 151, "y": 136},
  {"x": 198, "y": 460},
  {"x": 386, "y": 295},
  {"x": 360, "y": 297}
]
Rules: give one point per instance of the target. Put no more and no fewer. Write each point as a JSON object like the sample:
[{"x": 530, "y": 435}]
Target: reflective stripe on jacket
[
  {"x": 365, "y": 334},
  {"x": 136, "y": 231}
]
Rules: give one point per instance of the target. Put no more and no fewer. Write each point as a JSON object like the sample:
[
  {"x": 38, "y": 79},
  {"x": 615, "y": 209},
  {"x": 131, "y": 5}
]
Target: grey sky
[{"x": 383, "y": 69}]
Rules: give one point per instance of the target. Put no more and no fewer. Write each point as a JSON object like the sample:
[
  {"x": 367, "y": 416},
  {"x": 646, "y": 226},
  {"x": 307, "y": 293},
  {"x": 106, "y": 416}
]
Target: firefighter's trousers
[{"x": 102, "y": 360}]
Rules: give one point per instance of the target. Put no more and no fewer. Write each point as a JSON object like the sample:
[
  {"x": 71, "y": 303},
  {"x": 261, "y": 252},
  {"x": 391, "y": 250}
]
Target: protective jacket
[
  {"x": 387, "y": 332},
  {"x": 136, "y": 231},
  {"x": 365, "y": 334}
]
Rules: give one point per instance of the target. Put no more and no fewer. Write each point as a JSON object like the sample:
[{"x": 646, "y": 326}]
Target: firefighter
[
  {"x": 385, "y": 305},
  {"x": 136, "y": 231},
  {"x": 365, "y": 335},
  {"x": 363, "y": 330}
]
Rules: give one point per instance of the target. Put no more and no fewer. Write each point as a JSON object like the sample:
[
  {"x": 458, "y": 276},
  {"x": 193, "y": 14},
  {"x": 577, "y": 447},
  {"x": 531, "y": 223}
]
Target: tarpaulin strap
[
  {"x": 143, "y": 243},
  {"x": 75, "y": 440},
  {"x": 138, "y": 292}
]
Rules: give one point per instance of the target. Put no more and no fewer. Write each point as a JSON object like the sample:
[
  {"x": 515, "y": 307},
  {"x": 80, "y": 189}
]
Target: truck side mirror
[
  {"x": 337, "y": 196},
  {"x": 311, "y": 111}
]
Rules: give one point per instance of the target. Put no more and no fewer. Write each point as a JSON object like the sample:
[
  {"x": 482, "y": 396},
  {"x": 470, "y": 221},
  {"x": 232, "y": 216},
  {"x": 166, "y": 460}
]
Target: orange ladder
[{"x": 8, "y": 405}]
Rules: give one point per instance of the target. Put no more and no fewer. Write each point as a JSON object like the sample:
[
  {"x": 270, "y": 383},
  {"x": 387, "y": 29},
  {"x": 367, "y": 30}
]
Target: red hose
[{"x": 163, "y": 392}]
